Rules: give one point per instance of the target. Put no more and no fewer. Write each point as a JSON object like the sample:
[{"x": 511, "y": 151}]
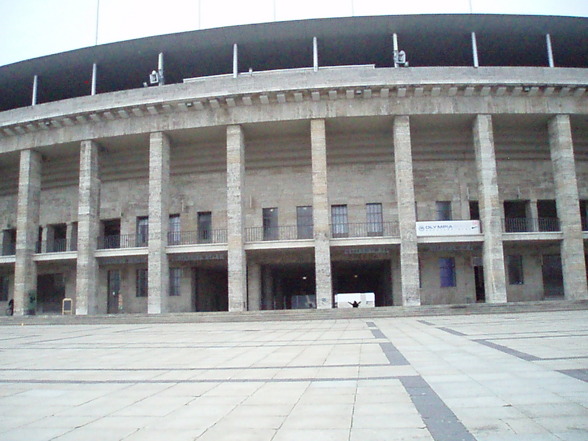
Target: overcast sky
[{"x": 32, "y": 28}]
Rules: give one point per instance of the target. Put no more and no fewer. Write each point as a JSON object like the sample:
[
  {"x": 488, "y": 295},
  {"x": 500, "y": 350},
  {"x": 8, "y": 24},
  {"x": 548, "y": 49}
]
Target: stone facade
[{"x": 282, "y": 189}]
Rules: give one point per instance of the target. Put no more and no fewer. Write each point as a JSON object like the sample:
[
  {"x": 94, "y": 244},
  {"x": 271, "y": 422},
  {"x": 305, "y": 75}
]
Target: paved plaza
[{"x": 497, "y": 377}]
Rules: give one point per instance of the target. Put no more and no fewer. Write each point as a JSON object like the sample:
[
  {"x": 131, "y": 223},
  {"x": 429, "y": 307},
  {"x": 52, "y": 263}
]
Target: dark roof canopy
[{"x": 428, "y": 40}]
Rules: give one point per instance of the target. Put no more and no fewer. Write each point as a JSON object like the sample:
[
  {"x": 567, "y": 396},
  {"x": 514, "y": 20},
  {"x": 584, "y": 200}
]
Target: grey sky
[{"x": 32, "y": 28}]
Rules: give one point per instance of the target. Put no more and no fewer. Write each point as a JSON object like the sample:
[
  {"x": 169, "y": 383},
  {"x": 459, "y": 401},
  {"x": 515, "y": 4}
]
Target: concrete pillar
[
  {"x": 568, "y": 207},
  {"x": 490, "y": 210},
  {"x": 27, "y": 228},
  {"x": 237, "y": 265},
  {"x": 46, "y": 236},
  {"x": 88, "y": 230},
  {"x": 320, "y": 215},
  {"x": 158, "y": 266},
  {"x": 254, "y": 286},
  {"x": 534, "y": 215},
  {"x": 409, "y": 257}
]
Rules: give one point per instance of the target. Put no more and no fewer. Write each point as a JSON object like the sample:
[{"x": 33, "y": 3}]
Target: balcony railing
[
  {"x": 196, "y": 237},
  {"x": 54, "y": 246},
  {"x": 285, "y": 232},
  {"x": 528, "y": 225},
  {"x": 122, "y": 241},
  {"x": 365, "y": 229}
]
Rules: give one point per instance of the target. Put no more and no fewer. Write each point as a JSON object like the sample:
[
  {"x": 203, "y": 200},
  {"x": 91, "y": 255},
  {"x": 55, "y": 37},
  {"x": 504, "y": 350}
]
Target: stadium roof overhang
[{"x": 428, "y": 40}]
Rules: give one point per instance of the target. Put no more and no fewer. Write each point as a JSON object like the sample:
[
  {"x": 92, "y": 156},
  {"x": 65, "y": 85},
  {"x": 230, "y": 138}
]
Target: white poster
[{"x": 448, "y": 228}]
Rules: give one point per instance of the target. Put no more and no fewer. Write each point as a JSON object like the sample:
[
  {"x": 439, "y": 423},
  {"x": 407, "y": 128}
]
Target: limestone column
[
  {"x": 27, "y": 228},
  {"x": 88, "y": 230},
  {"x": 320, "y": 215},
  {"x": 158, "y": 266},
  {"x": 237, "y": 265},
  {"x": 490, "y": 210},
  {"x": 568, "y": 207},
  {"x": 254, "y": 286},
  {"x": 409, "y": 257}
]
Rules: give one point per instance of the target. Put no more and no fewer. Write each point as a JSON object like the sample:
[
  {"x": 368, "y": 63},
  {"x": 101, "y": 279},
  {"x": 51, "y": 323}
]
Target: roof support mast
[
  {"x": 315, "y": 62},
  {"x": 160, "y": 69},
  {"x": 235, "y": 60},
  {"x": 549, "y": 50},
  {"x": 35, "y": 87},
  {"x": 94, "y": 78},
  {"x": 395, "y": 49},
  {"x": 475, "y": 50}
]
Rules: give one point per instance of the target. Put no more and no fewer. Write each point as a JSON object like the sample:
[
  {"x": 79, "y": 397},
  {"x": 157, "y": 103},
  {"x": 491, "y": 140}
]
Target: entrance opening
[
  {"x": 114, "y": 299},
  {"x": 479, "y": 281},
  {"x": 50, "y": 292},
  {"x": 210, "y": 288},
  {"x": 288, "y": 286},
  {"x": 552, "y": 276},
  {"x": 364, "y": 277}
]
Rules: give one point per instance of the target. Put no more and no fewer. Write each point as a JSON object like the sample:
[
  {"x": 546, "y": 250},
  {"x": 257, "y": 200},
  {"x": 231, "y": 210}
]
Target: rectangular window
[
  {"x": 547, "y": 214},
  {"x": 375, "y": 224},
  {"x": 516, "y": 216},
  {"x": 175, "y": 281},
  {"x": 270, "y": 223},
  {"x": 339, "y": 220},
  {"x": 3, "y": 288},
  {"x": 304, "y": 222},
  {"x": 447, "y": 271},
  {"x": 9, "y": 242},
  {"x": 142, "y": 282},
  {"x": 515, "y": 270},
  {"x": 443, "y": 210},
  {"x": 174, "y": 232},
  {"x": 204, "y": 227},
  {"x": 474, "y": 210},
  {"x": 111, "y": 234},
  {"x": 142, "y": 231}
]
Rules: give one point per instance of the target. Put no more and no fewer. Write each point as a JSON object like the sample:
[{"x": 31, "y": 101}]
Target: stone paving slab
[{"x": 480, "y": 377}]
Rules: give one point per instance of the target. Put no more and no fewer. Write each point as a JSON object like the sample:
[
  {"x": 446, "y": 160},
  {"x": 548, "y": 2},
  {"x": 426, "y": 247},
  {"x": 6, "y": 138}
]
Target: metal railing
[
  {"x": 365, "y": 229},
  {"x": 54, "y": 246},
  {"x": 122, "y": 241},
  {"x": 528, "y": 225},
  {"x": 284, "y": 232},
  {"x": 196, "y": 237}
]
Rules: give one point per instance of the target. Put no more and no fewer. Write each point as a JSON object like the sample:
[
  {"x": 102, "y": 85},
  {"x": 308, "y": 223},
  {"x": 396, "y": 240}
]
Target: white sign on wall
[{"x": 448, "y": 228}]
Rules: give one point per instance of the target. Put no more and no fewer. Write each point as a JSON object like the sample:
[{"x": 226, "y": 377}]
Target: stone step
[{"x": 293, "y": 315}]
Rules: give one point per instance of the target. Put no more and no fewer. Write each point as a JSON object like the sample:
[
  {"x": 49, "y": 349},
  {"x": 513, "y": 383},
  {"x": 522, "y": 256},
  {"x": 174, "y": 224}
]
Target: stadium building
[{"x": 431, "y": 159}]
